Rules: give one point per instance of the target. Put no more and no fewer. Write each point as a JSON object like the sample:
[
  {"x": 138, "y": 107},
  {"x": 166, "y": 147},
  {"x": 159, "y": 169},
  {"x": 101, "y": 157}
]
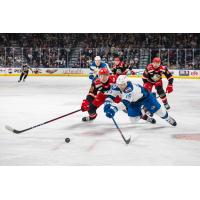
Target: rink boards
[{"x": 83, "y": 72}]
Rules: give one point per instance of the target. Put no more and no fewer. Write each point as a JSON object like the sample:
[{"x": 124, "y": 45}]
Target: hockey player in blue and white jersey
[
  {"x": 95, "y": 66},
  {"x": 134, "y": 96}
]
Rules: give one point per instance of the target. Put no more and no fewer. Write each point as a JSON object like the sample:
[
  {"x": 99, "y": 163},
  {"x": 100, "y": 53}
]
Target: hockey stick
[
  {"x": 21, "y": 131},
  {"x": 127, "y": 141}
]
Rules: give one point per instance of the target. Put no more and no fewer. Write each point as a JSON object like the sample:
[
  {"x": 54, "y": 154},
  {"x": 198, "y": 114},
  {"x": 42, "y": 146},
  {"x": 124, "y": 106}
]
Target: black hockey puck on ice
[{"x": 67, "y": 140}]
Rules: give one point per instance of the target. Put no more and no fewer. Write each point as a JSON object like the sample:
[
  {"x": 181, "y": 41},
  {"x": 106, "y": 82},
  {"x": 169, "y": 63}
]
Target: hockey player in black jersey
[{"x": 24, "y": 72}]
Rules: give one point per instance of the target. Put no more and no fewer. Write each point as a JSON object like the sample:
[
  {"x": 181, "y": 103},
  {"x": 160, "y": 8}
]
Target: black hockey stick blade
[
  {"x": 9, "y": 128},
  {"x": 127, "y": 141}
]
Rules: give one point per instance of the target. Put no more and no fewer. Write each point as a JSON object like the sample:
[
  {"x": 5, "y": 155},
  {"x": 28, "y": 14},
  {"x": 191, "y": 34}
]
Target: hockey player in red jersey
[
  {"x": 97, "y": 93},
  {"x": 119, "y": 68},
  {"x": 152, "y": 76}
]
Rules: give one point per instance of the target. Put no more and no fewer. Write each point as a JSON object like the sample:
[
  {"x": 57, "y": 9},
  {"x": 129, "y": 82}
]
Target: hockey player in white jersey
[
  {"x": 96, "y": 66},
  {"x": 134, "y": 96}
]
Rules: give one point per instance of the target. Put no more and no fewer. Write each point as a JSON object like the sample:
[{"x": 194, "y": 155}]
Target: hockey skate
[
  {"x": 151, "y": 120},
  {"x": 125, "y": 111},
  {"x": 167, "y": 106},
  {"x": 149, "y": 114},
  {"x": 87, "y": 119},
  {"x": 171, "y": 121},
  {"x": 148, "y": 119}
]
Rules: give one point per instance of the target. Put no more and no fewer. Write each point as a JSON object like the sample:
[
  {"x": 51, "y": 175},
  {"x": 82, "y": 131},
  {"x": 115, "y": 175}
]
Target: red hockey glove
[
  {"x": 85, "y": 105},
  {"x": 133, "y": 72},
  {"x": 169, "y": 88}
]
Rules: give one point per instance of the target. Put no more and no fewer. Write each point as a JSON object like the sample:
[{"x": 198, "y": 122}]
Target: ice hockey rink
[{"x": 40, "y": 99}]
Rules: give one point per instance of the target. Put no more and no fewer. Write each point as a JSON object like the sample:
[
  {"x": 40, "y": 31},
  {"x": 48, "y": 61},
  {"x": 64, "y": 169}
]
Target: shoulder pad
[
  {"x": 114, "y": 66},
  {"x": 150, "y": 67},
  {"x": 97, "y": 81},
  {"x": 103, "y": 64},
  {"x": 129, "y": 87},
  {"x": 121, "y": 64},
  {"x": 112, "y": 79},
  {"x": 93, "y": 64},
  {"x": 163, "y": 67},
  {"x": 115, "y": 87}
]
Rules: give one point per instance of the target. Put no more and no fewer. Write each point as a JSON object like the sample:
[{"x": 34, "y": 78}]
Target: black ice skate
[
  {"x": 125, "y": 111},
  {"x": 148, "y": 119},
  {"x": 18, "y": 81},
  {"x": 87, "y": 119},
  {"x": 151, "y": 120},
  {"x": 167, "y": 106},
  {"x": 149, "y": 114},
  {"x": 172, "y": 121}
]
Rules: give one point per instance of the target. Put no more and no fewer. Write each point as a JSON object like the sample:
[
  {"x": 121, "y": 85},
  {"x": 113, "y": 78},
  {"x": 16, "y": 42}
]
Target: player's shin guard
[
  {"x": 25, "y": 77},
  {"x": 164, "y": 115},
  {"x": 163, "y": 97},
  {"x": 20, "y": 78}
]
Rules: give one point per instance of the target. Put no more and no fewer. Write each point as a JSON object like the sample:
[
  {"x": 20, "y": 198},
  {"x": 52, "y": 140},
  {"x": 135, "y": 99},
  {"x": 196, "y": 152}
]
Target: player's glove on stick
[
  {"x": 110, "y": 110},
  {"x": 91, "y": 77},
  {"x": 169, "y": 88},
  {"x": 133, "y": 72},
  {"x": 85, "y": 105}
]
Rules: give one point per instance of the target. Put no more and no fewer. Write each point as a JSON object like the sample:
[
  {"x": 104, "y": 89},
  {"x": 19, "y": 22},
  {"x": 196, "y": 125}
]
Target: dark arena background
[{"x": 58, "y": 82}]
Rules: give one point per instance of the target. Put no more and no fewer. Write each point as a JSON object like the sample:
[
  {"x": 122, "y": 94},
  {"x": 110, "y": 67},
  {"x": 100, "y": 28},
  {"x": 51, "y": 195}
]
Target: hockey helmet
[
  {"x": 117, "y": 59},
  {"x": 97, "y": 58},
  {"x": 104, "y": 71},
  {"x": 156, "y": 60}
]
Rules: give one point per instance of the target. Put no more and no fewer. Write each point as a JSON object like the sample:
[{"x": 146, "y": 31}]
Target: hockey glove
[
  {"x": 85, "y": 105},
  {"x": 107, "y": 106},
  {"x": 110, "y": 110},
  {"x": 91, "y": 77},
  {"x": 169, "y": 88},
  {"x": 133, "y": 72}
]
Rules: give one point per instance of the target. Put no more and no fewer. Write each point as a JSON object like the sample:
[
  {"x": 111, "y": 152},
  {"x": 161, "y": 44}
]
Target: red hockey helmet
[
  {"x": 156, "y": 60},
  {"x": 117, "y": 59},
  {"x": 104, "y": 71}
]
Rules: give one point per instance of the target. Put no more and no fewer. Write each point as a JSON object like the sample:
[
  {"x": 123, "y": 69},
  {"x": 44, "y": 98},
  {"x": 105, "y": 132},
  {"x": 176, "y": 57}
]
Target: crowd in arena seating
[
  {"x": 54, "y": 50},
  {"x": 130, "y": 48}
]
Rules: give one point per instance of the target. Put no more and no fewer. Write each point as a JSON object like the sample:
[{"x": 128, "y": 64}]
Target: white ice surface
[{"x": 96, "y": 143}]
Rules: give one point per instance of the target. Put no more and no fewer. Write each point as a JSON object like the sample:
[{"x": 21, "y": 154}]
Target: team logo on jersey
[
  {"x": 153, "y": 107},
  {"x": 127, "y": 90},
  {"x": 156, "y": 77}
]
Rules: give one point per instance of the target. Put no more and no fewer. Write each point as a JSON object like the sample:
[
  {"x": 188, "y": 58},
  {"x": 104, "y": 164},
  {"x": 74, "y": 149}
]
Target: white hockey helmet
[
  {"x": 97, "y": 58},
  {"x": 122, "y": 79}
]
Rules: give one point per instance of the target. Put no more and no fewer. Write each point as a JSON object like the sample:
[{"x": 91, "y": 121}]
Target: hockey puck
[{"x": 67, "y": 140}]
